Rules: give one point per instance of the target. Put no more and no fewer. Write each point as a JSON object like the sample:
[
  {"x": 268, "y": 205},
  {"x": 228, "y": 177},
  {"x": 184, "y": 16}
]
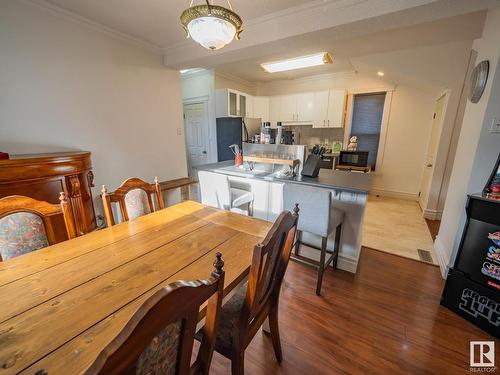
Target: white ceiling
[
  {"x": 347, "y": 52},
  {"x": 352, "y": 30},
  {"x": 157, "y": 21}
]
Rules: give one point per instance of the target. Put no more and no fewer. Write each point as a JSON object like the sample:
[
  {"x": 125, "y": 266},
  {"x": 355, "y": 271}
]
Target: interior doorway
[
  {"x": 437, "y": 123},
  {"x": 196, "y": 133}
]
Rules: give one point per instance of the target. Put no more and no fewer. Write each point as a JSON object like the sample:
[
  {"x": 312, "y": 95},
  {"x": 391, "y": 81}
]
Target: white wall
[
  {"x": 477, "y": 149},
  {"x": 407, "y": 132},
  {"x": 201, "y": 86},
  {"x": 65, "y": 86},
  {"x": 223, "y": 81}
]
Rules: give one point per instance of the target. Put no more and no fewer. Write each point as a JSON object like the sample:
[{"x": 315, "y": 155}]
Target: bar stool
[
  {"x": 216, "y": 192},
  {"x": 318, "y": 219}
]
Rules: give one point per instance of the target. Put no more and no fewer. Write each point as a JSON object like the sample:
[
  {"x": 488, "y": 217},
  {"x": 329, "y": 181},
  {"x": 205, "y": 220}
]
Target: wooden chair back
[
  {"x": 33, "y": 211},
  {"x": 159, "y": 338},
  {"x": 269, "y": 263},
  {"x": 141, "y": 203}
]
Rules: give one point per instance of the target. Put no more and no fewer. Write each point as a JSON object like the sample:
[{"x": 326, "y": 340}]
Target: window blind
[{"x": 366, "y": 123}]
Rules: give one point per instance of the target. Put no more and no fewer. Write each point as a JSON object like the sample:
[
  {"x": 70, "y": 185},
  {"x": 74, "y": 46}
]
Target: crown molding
[
  {"x": 71, "y": 16},
  {"x": 236, "y": 79}
]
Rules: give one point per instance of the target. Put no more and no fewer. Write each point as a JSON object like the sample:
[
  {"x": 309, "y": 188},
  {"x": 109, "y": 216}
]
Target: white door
[
  {"x": 320, "y": 109},
  {"x": 431, "y": 152},
  {"x": 336, "y": 107},
  {"x": 196, "y": 129},
  {"x": 305, "y": 107}
]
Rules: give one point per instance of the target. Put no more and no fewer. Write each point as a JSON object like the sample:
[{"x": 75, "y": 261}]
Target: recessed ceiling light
[
  {"x": 298, "y": 62},
  {"x": 381, "y": 74}
]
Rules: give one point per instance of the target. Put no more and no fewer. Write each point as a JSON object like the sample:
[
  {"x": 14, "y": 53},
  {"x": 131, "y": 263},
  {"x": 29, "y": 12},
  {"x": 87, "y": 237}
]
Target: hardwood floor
[{"x": 385, "y": 320}]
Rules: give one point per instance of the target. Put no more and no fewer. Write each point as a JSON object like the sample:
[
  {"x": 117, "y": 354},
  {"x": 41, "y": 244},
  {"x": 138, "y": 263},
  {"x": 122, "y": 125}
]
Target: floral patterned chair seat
[
  {"x": 136, "y": 203},
  {"x": 21, "y": 233},
  {"x": 160, "y": 356}
]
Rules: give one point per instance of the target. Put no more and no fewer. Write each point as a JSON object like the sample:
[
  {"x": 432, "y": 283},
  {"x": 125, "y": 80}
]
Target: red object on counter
[
  {"x": 238, "y": 160},
  {"x": 4, "y": 156}
]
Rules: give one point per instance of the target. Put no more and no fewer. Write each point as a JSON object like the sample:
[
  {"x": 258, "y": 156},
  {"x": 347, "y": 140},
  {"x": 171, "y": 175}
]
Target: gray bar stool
[{"x": 319, "y": 220}]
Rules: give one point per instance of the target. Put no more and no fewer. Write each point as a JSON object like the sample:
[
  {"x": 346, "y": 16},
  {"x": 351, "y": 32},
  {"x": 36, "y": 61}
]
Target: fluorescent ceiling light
[
  {"x": 381, "y": 74},
  {"x": 191, "y": 71},
  {"x": 298, "y": 62}
]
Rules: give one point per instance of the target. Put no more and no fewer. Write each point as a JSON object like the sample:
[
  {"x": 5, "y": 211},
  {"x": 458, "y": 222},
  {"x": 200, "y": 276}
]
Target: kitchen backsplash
[{"x": 307, "y": 135}]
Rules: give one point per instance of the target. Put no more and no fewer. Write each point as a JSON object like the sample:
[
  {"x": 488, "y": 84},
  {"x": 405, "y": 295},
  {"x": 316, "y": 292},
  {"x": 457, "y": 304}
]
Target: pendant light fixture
[{"x": 212, "y": 26}]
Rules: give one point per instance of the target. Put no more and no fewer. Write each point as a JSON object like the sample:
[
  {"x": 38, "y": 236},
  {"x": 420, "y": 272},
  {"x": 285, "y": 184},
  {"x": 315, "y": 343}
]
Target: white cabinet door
[
  {"x": 250, "y": 107},
  {"x": 274, "y": 110},
  {"x": 305, "y": 107},
  {"x": 261, "y": 108},
  {"x": 336, "y": 107},
  {"x": 233, "y": 103},
  {"x": 320, "y": 109},
  {"x": 288, "y": 112}
]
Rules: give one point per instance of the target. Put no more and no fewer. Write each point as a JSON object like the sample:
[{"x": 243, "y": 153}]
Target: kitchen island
[{"x": 349, "y": 194}]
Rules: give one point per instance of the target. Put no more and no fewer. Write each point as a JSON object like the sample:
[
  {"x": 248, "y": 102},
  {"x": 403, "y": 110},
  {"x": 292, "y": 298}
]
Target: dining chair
[
  {"x": 257, "y": 299},
  {"x": 159, "y": 337},
  {"x": 318, "y": 221},
  {"x": 216, "y": 192},
  {"x": 27, "y": 224},
  {"x": 133, "y": 198}
]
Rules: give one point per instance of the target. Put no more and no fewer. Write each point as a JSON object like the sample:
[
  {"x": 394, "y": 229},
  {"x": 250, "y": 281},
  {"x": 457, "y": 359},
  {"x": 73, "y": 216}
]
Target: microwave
[{"x": 353, "y": 158}]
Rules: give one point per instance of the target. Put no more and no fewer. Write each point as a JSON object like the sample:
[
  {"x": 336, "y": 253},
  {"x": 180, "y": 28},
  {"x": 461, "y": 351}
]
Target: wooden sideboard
[{"x": 44, "y": 176}]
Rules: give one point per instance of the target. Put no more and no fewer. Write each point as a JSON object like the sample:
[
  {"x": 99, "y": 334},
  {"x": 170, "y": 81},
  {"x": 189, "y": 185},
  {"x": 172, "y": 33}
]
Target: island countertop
[{"x": 355, "y": 182}]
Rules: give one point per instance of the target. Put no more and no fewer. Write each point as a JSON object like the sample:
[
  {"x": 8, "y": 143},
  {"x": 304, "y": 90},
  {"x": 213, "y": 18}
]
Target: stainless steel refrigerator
[{"x": 234, "y": 130}]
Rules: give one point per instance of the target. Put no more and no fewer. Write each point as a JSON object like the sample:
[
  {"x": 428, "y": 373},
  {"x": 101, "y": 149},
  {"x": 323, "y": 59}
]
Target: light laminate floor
[{"x": 396, "y": 226}]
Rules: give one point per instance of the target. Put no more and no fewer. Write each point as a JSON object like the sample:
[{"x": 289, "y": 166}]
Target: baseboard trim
[
  {"x": 344, "y": 263},
  {"x": 432, "y": 214},
  {"x": 441, "y": 257},
  {"x": 347, "y": 264},
  {"x": 394, "y": 194}
]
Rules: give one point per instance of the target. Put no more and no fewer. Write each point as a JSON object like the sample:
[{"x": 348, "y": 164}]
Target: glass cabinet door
[
  {"x": 243, "y": 106},
  {"x": 233, "y": 101}
]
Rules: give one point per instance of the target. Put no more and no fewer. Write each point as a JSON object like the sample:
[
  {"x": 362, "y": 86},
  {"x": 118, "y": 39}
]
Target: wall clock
[{"x": 478, "y": 81}]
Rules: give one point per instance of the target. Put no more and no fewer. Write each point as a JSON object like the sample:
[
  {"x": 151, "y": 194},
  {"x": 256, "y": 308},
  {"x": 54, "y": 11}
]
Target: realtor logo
[{"x": 482, "y": 354}]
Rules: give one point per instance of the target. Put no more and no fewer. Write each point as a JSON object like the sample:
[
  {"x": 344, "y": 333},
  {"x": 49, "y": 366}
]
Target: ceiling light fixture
[
  {"x": 298, "y": 62},
  {"x": 380, "y": 74},
  {"x": 210, "y": 25}
]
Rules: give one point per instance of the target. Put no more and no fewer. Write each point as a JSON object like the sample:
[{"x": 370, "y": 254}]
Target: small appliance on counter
[{"x": 353, "y": 161}]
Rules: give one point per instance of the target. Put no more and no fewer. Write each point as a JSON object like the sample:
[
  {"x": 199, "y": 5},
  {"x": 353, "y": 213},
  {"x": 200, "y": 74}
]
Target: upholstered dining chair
[
  {"x": 159, "y": 337},
  {"x": 257, "y": 299},
  {"x": 319, "y": 222},
  {"x": 26, "y": 224},
  {"x": 217, "y": 192},
  {"x": 134, "y": 199}
]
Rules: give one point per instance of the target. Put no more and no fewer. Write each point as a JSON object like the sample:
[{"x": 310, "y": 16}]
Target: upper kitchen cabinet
[
  {"x": 261, "y": 108},
  {"x": 297, "y": 108},
  {"x": 232, "y": 103},
  {"x": 329, "y": 109},
  {"x": 288, "y": 108},
  {"x": 305, "y": 107},
  {"x": 274, "y": 110},
  {"x": 336, "y": 108},
  {"x": 320, "y": 109}
]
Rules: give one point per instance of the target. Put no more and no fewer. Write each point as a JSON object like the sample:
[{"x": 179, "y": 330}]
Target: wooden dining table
[{"x": 60, "y": 306}]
